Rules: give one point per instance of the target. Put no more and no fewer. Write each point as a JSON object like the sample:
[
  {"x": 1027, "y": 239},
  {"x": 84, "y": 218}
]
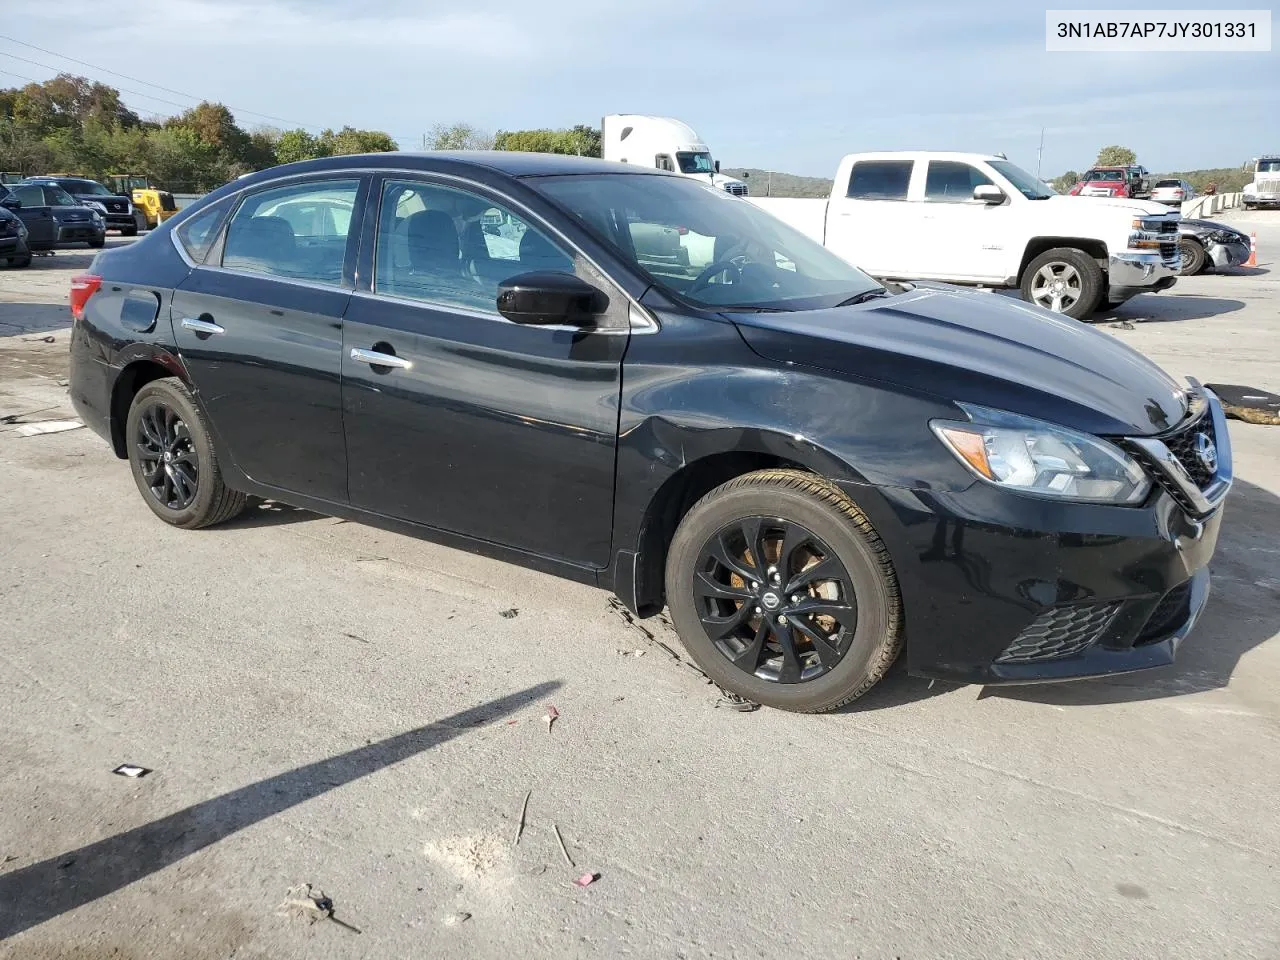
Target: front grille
[
  {"x": 1170, "y": 613},
  {"x": 115, "y": 206},
  {"x": 1060, "y": 632},
  {"x": 1270, "y": 188},
  {"x": 1184, "y": 445},
  {"x": 166, "y": 202},
  {"x": 737, "y": 189}
]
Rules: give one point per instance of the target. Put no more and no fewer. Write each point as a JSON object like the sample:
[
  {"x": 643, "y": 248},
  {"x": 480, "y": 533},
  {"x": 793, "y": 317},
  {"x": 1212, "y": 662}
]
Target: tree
[
  {"x": 1115, "y": 156},
  {"x": 349, "y": 140},
  {"x": 458, "y": 136},
  {"x": 580, "y": 141},
  {"x": 295, "y": 145},
  {"x": 1065, "y": 182}
]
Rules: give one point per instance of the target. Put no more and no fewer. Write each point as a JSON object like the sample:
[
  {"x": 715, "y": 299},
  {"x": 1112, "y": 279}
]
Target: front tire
[
  {"x": 1193, "y": 257},
  {"x": 1064, "y": 280},
  {"x": 19, "y": 262},
  {"x": 172, "y": 458},
  {"x": 129, "y": 231},
  {"x": 783, "y": 593},
  {"x": 98, "y": 244}
]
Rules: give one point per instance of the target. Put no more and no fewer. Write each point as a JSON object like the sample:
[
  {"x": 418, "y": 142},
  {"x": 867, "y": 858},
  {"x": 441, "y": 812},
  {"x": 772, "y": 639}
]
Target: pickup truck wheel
[
  {"x": 172, "y": 458},
  {"x": 1064, "y": 280},
  {"x": 1193, "y": 257},
  {"x": 783, "y": 593}
]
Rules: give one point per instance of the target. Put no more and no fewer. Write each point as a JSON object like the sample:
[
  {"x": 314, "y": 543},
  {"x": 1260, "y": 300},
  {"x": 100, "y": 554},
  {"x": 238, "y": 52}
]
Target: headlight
[
  {"x": 1222, "y": 236},
  {"x": 1033, "y": 457},
  {"x": 95, "y": 206}
]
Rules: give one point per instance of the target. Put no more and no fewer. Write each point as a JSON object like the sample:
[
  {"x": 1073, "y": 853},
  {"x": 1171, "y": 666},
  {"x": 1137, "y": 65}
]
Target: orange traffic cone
[{"x": 1253, "y": 251}]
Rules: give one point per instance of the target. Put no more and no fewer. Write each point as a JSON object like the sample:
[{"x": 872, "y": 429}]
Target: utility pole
[{"x": 1039, "y": 153}]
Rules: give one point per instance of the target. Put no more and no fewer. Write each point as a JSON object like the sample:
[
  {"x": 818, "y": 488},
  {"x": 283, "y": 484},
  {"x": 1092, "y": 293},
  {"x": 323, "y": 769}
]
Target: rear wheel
[
  {"x": 1193, "y": 257},
  {"x": 172, "y": 458},
  {"x": 99, "y": 243},
  {"x": 1064, "y": 280},
  {"x": 130, "y": 231},
  {"x": 783, "y": 593}
]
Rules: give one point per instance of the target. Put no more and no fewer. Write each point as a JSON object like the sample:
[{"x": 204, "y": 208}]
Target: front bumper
[
  {"x": 81, "y": 232},
  {"x": 121, "y": 221},
  {"x": 1129, "y": 274},
  {"x": 15, "y": 246},
  {"x": 1000, "y": 588},
  {"x": 1226, "y": 255}
]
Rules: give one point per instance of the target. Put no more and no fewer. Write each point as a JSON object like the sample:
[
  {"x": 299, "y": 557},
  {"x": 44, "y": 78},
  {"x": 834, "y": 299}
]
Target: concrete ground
[{"x": 321, "y": 702}]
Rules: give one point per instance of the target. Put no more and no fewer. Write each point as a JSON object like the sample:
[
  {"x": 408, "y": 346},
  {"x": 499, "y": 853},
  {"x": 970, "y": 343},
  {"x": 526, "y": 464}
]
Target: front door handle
[
  {"x": 201, "y": 326},
  {"x": 376, "y": 359}
]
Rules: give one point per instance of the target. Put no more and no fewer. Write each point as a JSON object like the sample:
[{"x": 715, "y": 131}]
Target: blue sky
[{"x": 788, "y": 86}]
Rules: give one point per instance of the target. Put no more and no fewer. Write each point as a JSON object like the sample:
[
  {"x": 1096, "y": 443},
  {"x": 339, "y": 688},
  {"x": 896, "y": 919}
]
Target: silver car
[{"x": 1172, "y": 192}]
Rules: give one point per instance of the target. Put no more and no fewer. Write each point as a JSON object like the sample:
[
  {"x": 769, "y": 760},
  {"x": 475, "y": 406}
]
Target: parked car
[
  {"x": 1172, "y": 192},
  {"x": 979, "y": 219},
  {"x": 1132, "y": 182},
  {"x": 116, "y": 210},
  {"x": 14, "y": 251},
  {"x": 1205, "y": 245},
  {"x": 53, "y": 217},
  {"x": 808, "y": 470}
]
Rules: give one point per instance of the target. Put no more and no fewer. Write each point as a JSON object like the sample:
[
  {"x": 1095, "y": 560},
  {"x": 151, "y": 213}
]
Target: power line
[
  {"x": 148, "y": 83},
  {"x": 133, "y": 93}
]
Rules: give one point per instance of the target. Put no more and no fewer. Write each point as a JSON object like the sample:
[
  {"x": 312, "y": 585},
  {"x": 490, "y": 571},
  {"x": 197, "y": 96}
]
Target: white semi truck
[
  {"x": 664, "y": 144},
  {"x": 1264, "y": 190}
]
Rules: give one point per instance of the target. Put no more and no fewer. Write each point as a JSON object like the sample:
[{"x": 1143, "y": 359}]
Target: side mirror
[
  {"x": 11, "y": 203},
  {"x": 549, "y": 297},
  {"x": 988, "y": 193},
  {"x": 745, "y": 175},
  {"x": 717, "y": 166}
]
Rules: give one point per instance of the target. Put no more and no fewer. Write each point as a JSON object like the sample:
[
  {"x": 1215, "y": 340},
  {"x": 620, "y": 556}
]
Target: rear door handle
[
  {"x": 376, "y": 359},
  {"x": 201, "y": 326}
]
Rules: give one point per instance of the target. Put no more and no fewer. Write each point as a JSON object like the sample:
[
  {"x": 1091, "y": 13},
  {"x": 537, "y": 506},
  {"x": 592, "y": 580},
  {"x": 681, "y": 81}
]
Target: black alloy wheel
[
  {"x": 170, "y": 466},
  {"x": 775, "y": 599}
]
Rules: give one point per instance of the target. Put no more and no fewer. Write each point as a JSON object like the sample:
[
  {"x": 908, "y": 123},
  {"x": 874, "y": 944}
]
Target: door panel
[
  {"x": 495, "y": 430},
  {"x": 42, "y": 228},
  {"x": 961, "y": 238},
  {"x": 270, "y": 381}
]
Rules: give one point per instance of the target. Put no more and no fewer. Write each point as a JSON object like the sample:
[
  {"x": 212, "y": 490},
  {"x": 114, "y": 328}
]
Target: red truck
[{"x": 1132, "y": 181}]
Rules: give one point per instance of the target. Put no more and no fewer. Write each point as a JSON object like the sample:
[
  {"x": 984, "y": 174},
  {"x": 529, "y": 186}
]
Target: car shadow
[
  {"x": 39, "y": 892},
  {"x": 1243, "y": 613},
  {"x": 270, "y": 513},
  {"x": 1168, "y": 308}
]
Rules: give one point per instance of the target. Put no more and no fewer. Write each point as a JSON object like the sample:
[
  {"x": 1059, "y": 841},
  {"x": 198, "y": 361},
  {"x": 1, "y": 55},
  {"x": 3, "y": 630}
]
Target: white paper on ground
[{"x": 47, "y": 426}]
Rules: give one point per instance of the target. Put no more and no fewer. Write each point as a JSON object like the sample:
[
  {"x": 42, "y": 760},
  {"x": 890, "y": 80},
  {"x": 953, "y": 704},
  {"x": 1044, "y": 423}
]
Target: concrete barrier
[{"x": 1207, "y": 206}]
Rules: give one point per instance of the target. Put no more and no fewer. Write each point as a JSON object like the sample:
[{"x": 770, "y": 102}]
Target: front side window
[
  {"x": 452, "y": 247},
  {"x": 953, "y": 181},
  {"x": 880, "y": 179},
  {"x": 299, "y": 231},
  {"x": 29, "y": 194},
  {"x": 704, "y": 245}
]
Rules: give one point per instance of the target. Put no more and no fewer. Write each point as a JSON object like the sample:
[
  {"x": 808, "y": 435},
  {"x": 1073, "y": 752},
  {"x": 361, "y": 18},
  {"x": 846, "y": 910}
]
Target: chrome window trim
[
  {"x": 314, "y": 284},
  {"x": 477, "y": 314},
  {"x": 641, "y": 319}
]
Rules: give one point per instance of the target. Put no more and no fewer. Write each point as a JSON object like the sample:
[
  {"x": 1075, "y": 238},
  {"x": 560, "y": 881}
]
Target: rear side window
[
  {"x": 299, "y": 231},
  {"x": 952, "y": 180},
  {"x": 198, "y": 233},
  {"x": 880, "y": 179}
]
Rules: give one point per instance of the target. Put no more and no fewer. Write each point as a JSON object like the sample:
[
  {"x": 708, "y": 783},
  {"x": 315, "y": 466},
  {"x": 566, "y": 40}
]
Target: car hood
[
  {"x": 1105, "y": 203},
  {"x": 1200, "y": 228},
  {"x": 980, "y": 348}
]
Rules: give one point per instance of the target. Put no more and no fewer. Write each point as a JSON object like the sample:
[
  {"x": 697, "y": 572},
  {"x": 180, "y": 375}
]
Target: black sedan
[
  {"x": 116, "y": 210},
  {"x": 13, "y": 240},
  {"x": 1205, "y": 245},
  {"x": 810, "y": 471},
  {"x": 53, "y": 217}
]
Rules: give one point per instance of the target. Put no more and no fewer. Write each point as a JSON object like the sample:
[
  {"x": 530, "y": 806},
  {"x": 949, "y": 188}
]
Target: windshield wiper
[
  {"x": 874, "y": 294},
  {"x": 752, "y": 308}
]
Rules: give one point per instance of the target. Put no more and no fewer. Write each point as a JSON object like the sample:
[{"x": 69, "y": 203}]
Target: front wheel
[
  {"x": 1064, "y": 280},
  {"x": 22, "y": 261},
  {"x": 172, "y": 458},
  {"x": 783, "y": 592},
  {"x": 98, "y": 244},
  {"x": 129, "y": 231},
  {"x": 1192, "y": 256}
]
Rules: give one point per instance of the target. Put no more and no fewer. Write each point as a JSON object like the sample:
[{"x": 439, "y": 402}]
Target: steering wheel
[{"x": 734, "y": 262}]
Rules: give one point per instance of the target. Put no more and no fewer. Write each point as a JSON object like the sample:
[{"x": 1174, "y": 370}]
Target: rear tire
[
  {"x": 98, "y": 244},
  {"x": 1064, "y": 280},
  {"x": 1193, "y": 257},
  {"x": 802, "y": 524},
  {"x": 129, "y": 231},
  {"x": 172, "y": 458}
]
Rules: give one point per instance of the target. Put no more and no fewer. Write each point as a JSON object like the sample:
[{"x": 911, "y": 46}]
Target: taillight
[{"x": 83, "y": 286}]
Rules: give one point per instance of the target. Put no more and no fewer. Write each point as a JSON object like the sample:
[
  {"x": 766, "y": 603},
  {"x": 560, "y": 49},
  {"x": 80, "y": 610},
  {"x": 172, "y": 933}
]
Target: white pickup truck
[{"x": 979, "y": 219}]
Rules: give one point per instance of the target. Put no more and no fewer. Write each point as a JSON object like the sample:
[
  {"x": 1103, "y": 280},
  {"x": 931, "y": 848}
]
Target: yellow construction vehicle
[{"x": 153, "y": 203}]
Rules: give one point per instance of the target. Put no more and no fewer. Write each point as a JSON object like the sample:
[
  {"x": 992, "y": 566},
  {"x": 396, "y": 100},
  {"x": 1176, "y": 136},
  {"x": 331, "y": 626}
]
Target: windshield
[
  {"x": 1026, "y": 184},
  {"x": 695, "y": 163},
  {"x": 1105, "y": 176},
  {"x": 58, "y": 197},
  {"x": 705, "y": 246},
  {"x": 1269, "y": 166}
]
